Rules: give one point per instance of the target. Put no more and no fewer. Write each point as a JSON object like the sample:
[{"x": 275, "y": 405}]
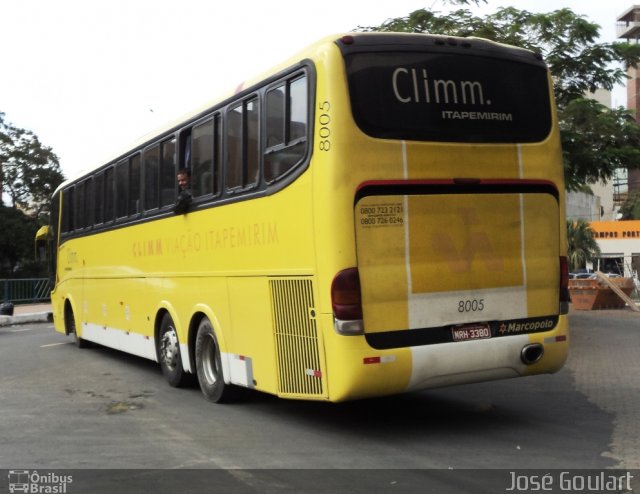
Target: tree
[
  {"x": 630, "y": 209},
  {"x": 29, "y": 170},
  {"x": 582, "y": 246},
  {"x": 29, "y": 173},
  {"x": 16, "y": 248},
  {"x": 596, "y": 140}
]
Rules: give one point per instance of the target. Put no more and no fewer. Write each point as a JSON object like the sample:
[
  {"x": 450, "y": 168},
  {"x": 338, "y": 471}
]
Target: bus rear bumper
[
  {"x": 487, "y": 360},
  {"x": 355, "y": 370}
]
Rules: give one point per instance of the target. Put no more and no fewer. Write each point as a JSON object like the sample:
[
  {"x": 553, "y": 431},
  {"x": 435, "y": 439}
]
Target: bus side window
[
  {"x": 89, "y": 198},
  {"x": 134, "y": 185},
  {"x": 286, "y": 127},
  {"x": 109, "y": 194},
  {"x": 243, "y": 145},
  {"x": 217, "y": 153},
  {"x": 252, "y": 143},
  {"x": 122, "y": 183},
  {"x": 185, "y": 150},
  {"x": 233, "y": 176},
  {"x": 299, "y": 110},
  {"x": 151, "y": 177},
  {"x": 98, "y": 203},
  {"x": 168, "y": 173},
  {"x": 68, "y": 200},
  {"x": 275, "y": 116},
  {"x": 202, "y": 159},
  {"x": 79, "y": 206}
]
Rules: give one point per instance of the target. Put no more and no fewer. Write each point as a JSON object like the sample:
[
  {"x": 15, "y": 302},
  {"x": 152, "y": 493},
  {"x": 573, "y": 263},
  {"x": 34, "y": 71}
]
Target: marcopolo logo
[
  {"x": 526, "y": 326},
  {"x": 38, "y": 483}
]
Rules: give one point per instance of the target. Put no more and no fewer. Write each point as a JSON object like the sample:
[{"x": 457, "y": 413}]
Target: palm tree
[{"x": 582, "y": 246}]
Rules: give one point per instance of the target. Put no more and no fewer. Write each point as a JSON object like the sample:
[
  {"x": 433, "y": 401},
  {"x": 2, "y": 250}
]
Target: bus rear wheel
[
  {"x": 169, "y": 354},
  {"x": 209, "y": 365}
]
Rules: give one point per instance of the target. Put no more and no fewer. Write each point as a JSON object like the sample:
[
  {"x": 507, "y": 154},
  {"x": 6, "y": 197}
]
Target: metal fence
[{"x": 25, "y": 290}]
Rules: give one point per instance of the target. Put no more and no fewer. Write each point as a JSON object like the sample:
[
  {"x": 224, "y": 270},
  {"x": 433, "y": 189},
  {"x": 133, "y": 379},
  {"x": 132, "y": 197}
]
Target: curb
[{"x": 26, "y": 318}]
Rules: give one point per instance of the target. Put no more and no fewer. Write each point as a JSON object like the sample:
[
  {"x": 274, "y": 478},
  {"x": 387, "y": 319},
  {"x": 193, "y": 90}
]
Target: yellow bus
[{"x": 381, "y": 213}]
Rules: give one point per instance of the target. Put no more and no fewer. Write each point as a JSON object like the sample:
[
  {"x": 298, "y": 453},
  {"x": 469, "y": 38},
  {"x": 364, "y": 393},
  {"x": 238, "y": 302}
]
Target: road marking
[
  {"x": 21, "y": 330},
  {"x": 54, "y": 344}
]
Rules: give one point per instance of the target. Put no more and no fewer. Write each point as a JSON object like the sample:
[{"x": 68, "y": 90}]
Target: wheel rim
[
  {"x": 209, "y": 362},
  {"x": 169, "y": 349}
]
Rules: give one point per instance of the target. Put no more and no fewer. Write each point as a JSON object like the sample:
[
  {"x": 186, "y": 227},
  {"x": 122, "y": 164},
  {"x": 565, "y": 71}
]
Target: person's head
[{"x": 184, "y": 177}]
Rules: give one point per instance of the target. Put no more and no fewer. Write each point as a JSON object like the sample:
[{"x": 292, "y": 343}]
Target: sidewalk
[{"x": 29, "y": 313}]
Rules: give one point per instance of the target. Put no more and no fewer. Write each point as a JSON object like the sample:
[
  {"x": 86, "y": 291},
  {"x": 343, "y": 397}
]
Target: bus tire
[
  {"x": 209, "y": 365},
  {"x": 71, "y": 327},
  {"x": 169, "y": 354}
]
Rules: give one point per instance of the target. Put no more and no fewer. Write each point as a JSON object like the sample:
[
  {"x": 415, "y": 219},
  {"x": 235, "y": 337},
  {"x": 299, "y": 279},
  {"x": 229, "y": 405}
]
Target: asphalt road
[{"x": 64, "y": 408}]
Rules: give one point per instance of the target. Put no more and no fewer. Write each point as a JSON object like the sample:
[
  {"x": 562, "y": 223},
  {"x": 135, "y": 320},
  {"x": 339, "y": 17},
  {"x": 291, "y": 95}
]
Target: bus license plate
[{"x": 471, "y": 332}]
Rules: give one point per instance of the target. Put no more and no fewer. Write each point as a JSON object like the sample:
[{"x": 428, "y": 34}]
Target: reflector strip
[
  {"x": 379, "y": 360},
  {"x": 556, "y": 339}
]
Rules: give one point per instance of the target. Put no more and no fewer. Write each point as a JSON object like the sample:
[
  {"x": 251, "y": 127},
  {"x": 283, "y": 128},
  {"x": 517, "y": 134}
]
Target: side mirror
[{"x": 42, "y": 237}]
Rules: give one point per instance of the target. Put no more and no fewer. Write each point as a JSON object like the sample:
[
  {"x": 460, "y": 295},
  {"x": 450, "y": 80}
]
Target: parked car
[{"x": 584, "y": 276}]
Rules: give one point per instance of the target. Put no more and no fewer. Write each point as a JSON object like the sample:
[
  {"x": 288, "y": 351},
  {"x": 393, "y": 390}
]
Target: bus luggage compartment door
[{"x": 441, "y": 255}]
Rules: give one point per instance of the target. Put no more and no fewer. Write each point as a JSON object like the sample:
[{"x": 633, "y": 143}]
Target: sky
[{"x": 89, "y": 77}]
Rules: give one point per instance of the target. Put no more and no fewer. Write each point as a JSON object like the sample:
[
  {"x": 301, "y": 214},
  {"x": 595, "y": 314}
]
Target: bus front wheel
[
  {"x": 169, "y": 354},
  {"x": 71, "y": 327},
  {"x": 209, "y": 365}
]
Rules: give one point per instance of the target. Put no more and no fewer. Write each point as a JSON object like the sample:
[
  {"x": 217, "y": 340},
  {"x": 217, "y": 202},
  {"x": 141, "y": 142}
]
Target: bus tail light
[
  {"x": 346, "y": 301},
  {"x": 565, "y": 298}
]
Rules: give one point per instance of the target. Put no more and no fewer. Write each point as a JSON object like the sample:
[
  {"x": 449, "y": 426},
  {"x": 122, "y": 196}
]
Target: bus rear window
[{"x": 449, "y": 97}]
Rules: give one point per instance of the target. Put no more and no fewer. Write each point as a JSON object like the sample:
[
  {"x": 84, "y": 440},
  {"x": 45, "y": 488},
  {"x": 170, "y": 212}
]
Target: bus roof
[{"x": 349, "y": 43}]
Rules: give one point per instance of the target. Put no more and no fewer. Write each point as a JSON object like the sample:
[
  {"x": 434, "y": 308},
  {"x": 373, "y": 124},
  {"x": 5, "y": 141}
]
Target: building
[
  {"x": 628, "y": 28},
  {"x": 619, "y": 242},
  {"x": 604, "y": 202}
]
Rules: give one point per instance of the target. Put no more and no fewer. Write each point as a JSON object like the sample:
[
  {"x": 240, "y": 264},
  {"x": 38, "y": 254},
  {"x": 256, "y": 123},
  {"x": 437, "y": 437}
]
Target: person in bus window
[{"x": 184, "y": 191}]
